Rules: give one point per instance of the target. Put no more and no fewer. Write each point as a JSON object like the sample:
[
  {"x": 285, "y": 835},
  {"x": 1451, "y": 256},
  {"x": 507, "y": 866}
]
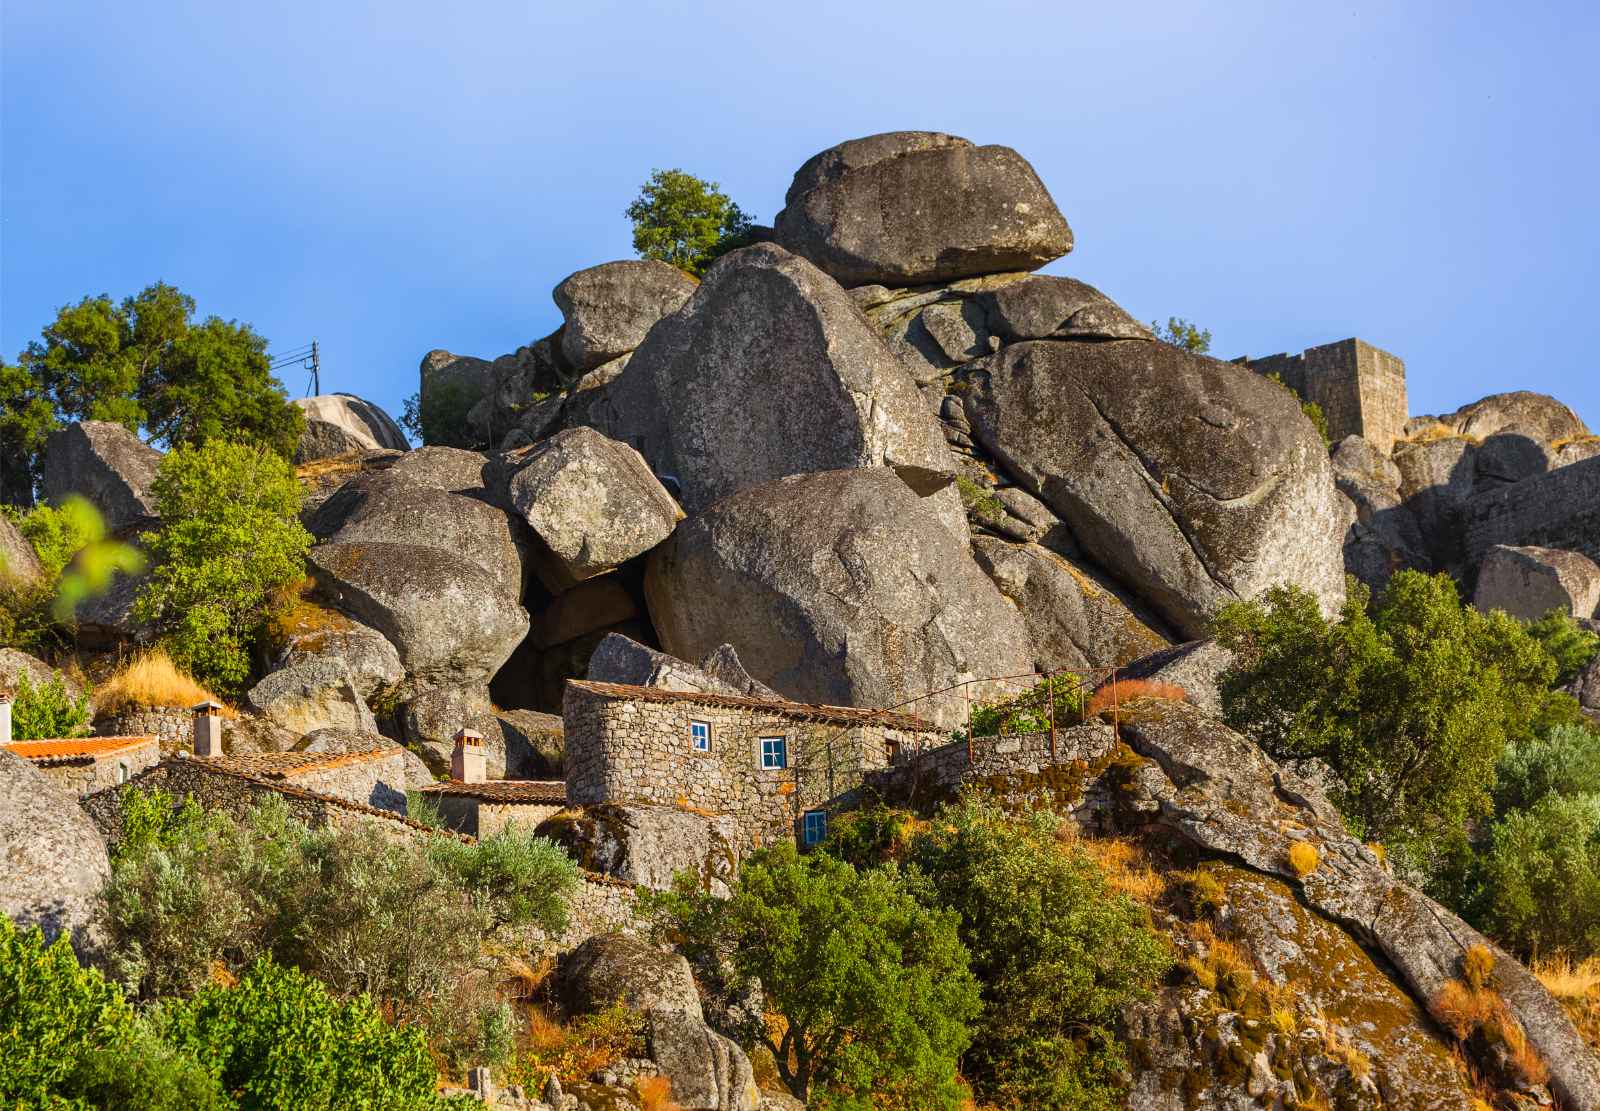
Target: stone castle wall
[
  {"x": 1360, "y": 388},
  {"x": 634, "y": 751},
  {"x": 1558, "y": 509}
]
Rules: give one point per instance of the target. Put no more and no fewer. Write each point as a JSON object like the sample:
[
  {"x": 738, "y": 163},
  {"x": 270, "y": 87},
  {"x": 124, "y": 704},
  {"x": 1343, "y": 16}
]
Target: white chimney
[
  {"x": 208, "y": 729},
  {"x": 466, "y": 761},
  {"x": 5, "y": 718}
]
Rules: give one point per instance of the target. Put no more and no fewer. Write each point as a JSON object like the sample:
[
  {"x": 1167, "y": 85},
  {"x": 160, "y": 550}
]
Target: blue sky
[{"x": 389, "y": 178}]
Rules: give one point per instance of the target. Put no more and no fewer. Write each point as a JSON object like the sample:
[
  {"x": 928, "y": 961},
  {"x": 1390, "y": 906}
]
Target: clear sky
[{"x": 392, "y": 177}]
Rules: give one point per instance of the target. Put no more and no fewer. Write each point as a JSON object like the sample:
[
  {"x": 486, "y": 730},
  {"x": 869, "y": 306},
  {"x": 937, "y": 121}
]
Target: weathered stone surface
[
  {"x": 615, "y": 968},
  {"x": 451, "y": 385},
  {"x": 913, "y": 207},
  {"x": 1586, "y": 687},
  {"x": 1437, "y": 477},
  {"x": 770, "y": 370},
  {"x": 389, "y": 509},
  {"x": 592, "y": 500},
  {"x": 1194, "y": 482},
  {"x": 534, "y": 744},
  {"x": 1535, "y": 414},
  {"x": 724, "y": 665},
  {"x": 1072, "y": 619},
  {"x": 334, "y": 739},
  {"x": 18, "y": 561},
  {"x": 54, "y": 860},
  {"x": 1510, "y": 455},
  {"x": 508, "y": 406},
  {"x": 1384, "y": 537},
  {"x": 105, "y": 463},
  {"x": 709, "y": 1072},
  {"x": 14, "y": 664},
  {"x": 841, "y": 587},
  {"x": 1195, "y": 666},
  {"x": 318, "y": 693},
  {"x": 593, "y": 604},
  {"x": 1044, "y": 307},
  {"x": 452, "y": 469},
  {"x": 1214, "y": 789},
  {"x": 107, "y": 621},
  {"x": 933, "y": 329},
  {"x": 339, "y": 423},
  {"x": 310, "y": 631},
  {"x": 1575, "y": 451},
  {"x": 449, "y": 619},
  {"x": 649, "y": 845},
  {"x": 619, "y": 660},
  {"x": 1528, "y": 583},
  {"x": 430, "y": 719},
  {"x": 609, "y": 308}
]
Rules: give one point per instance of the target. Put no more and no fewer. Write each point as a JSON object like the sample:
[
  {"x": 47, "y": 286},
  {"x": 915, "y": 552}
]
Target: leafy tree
[
  {"x": 1411, "y": 705},
  {"x": 26, "y": 418},
  {"x": 1057, "y": 952},
  {"x": 47, "y": 710},
  {"x": 1537, "y": 884},
  {"x": 1183, "y": 333},
  {"x": 684, "y": 220},
  {"x": 1570, "y": 644},
  {"x": 1563, "y": 762},
  {"x": 230, "y": 535},
  {"x": 872, "y": 986},
  {"x": 442, "y": 418},
  {"x": 58, "y": 533}
]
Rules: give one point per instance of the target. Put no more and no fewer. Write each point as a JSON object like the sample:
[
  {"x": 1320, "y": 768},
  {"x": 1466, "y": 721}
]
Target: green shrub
[
  {"x": 1184, "y": 334},
  {"x": 280, "y": 1040},
  {"x": 874, "y": 987},
  {"x": 441, "y": 419},
  {"x": 57, "y": 533},
  {"x": 1029, "y": 712},
  {"x": 1057, "y": 952},
  {"x": 25, "y": 620},
  {"x": 979, "y": 500},
  {"x": 871, "y": 836},
  {"x": 1569, "y": 644},
  {"x": 686, "y": 221},
  {"x": 230, "y": 535},
  {"x": 48, "y": 710},
  {"x": 1537, "y": 885},
  {"x": 1411, "y": 705},
  {"x": 1564, "y": 762}
]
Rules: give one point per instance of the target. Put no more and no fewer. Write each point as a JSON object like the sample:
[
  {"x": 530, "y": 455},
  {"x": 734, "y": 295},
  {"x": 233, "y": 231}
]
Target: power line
[{"x": 308, "y": 356}]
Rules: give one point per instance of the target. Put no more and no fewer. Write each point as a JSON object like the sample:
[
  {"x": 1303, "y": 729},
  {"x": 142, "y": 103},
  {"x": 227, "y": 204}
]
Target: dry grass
[
  {"x": 1303, "y": 858},
  {"x": 1462, "y": 1011},
  {"x": 1126, "y": 867},
  {"x": 1118, "y": 694},
  {"x": 1438, "y": 431},
  {"x": 347, "y": 463},
  {"x": 1202, "y": 891},
  {"x": 1577, "y": 986},
  {"x": 152, "y": 679},
  {"x": 521, "y": 982},
  {"x": 1477, "y": 967},
  {"x": 655, "y": 1094},
  {"x": 1376, "y": 849}
]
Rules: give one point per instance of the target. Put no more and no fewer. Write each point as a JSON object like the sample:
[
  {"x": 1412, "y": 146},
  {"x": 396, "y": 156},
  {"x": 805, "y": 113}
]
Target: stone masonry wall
[
  {"x": 496, "y": 816},
  {"x": 1020, "y": 768},
  {"x": 84, "y": 776},
  {"x": 1360, "y": 388},
  {"x": 380, "y": 782},
  {"x": 1558, "y": 509},
  {"x": 624, "y": 751},
  {"x": 172, "y": 726}
]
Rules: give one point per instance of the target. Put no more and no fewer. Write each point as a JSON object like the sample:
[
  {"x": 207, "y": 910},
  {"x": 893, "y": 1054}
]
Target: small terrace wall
[{"x": 1019, "y": 769}]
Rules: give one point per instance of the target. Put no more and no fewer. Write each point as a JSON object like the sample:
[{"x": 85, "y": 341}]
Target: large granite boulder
[
  {"x": 340, "y": 423},
  {"x": 105, "y": 463},
  {"x": 596, "y": 603},
  {"x": 432, "y": 717},
  {"x": 609, "y": 308},
  {"x": 389, "y": 509},
  {"x": 450, "y": 620},
  {"x": 770, "y": 370},
  {"x": 709, "y": 1072},
  {"x": 617, "y": 968},
  {"x": 318, "y": 693},
  {"x": 1047, "y": 307},
  {"x": 933, "y": 329},
  {"x": 450, "y": 386},
  {"x": 1437, "y": 477},
  {"x": 592, "y": 501},
  {"x": 1535, "y": 414},
  {"x": 452, "y": 469},
  {"x": 18, "y": 561},
  {"x": 915, "y": 207},
  {"x": 616, "y": 659},
  {"x": 842, "y": 587},
  {"x": 1073, "y": 620},
  {"x": 649, "y": 845},
  {"x": 16, "y": 664},
  {"x": 1192, "y": 481},
  {"x": 307, "y": 631},
  {"x": 53, "y": 860},
  {"x": 533, "y": 744},
  {"x": 1528, "y": 583},
  {"x": 1196, "y": 667},
  {"x": 1511, "y": 455},
  {"x": 1385, "y": 536}
]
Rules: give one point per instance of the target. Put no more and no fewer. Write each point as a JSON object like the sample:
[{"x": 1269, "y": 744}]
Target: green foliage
[
  {"x": 873, "y": 987},
  {"x": 979, "y": 500},
  {"x": 1569, "y": 644},
  {"x": 189, "y": 890},
  {"x": 421, "y": 808},
  {"x": 1029, "y": 712},
  {"x": 871, "y": 836},
  {"x": 230, "y": 535},
  {"x": 1411, "y": 705},
  {"x": 147, "y": 365},
  {"x": 686, "y": 221},
  {"x": 280, "y": 1040},
  {"x": 1183, "y": 333},
  {"x": 441, "y": 418},
  {"x": 1311, "y": 409},
  {"x": 78, "y": 560},
  {"x": 58, "y": 533},
  {"x": 586, "y": 1043},
  {"x": 1058, "y": 954},
  {"x": 1537, "y": 886},
  {"x": 26, "y": 418},
  {"x": 143, "y": 1070},
  {"x": 1563, "y": 762},
  {"x": 47, "y": 711}
]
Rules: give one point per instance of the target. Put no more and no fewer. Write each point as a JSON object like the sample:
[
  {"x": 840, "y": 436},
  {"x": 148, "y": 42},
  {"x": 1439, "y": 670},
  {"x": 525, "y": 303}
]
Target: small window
[
  {"x": 891, "y": 751},
  {"x": 700, "y": 736},
  {"x": 814, "y": 827},
  {"x": 774, "y": 752},
  {"x": 122, "y": 772}
]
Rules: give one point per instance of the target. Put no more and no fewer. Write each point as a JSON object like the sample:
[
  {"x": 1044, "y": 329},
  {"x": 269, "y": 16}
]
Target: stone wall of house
[
  {"x": 1558, "y": 509},
  {"x": 172, "y": 726},
  {"x": 624, "y": 751},
  {"x": 496, "y": 816},
  {"x": 1021, "y": 769},
  {"x": 600, "y": 905},
  {"x": 93, "y": 774},
  {"x": 375, "y": 782}
]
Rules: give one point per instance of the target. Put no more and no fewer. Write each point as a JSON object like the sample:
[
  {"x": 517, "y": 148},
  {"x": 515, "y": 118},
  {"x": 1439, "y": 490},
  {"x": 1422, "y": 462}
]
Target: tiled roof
[
  {"x": 66, "y": 750},
  {"x": 545, "y": 791},
  {"x": 801, "y": 711},
  {"x": 288, "y": 765}
]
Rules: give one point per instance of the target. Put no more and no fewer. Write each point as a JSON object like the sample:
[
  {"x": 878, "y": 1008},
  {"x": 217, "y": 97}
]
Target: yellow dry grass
[
  {"x": 1577, "y": 986},
  {"x": 1303, "y": 858},
  {"x": 152, "y": 679},
  {"x": 1126, "y": 867},
  {"x": 655, "y": 1094},
  {"x": 1477, "y": 967}
]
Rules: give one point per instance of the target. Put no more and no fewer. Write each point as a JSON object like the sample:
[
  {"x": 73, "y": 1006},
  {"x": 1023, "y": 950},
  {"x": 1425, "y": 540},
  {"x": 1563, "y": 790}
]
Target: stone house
[
  {"x": 471, "y": 803},
  {"x": 85, "y": 764},
  {"x": 779, "y": 768}
]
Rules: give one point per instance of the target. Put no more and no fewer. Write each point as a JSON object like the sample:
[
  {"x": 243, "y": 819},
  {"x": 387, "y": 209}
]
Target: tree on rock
[{"x": 686, "y": 221}]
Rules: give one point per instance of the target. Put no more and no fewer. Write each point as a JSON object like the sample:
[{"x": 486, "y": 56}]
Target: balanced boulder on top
[{"x": 609, "y": 308}]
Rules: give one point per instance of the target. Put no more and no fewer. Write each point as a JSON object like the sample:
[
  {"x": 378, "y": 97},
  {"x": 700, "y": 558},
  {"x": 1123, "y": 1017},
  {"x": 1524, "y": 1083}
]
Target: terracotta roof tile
[
  {"x": 62, "y": 750},
  {"x": 544, "y": 791},
  {"x": 288, "y": 765},
  {"x": 802, "y": 711}
]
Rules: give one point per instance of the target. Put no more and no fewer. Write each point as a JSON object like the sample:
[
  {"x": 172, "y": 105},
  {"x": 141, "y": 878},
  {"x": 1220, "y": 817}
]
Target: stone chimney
[
  {"x": 466, "y": 762},
  {"x": 5, "y": 718},
  {"x": 208, "y": 729}
]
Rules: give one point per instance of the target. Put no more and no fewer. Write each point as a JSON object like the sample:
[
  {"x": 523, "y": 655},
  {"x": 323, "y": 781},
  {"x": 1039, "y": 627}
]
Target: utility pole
[{"x": 316, "y": 371}]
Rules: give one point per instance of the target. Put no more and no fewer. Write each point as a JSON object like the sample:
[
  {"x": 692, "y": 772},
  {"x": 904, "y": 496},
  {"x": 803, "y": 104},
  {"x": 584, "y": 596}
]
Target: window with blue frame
[
  {"x": 700, "y": 736},
  {"x": 814, "y": 827},
  {"x": 774, "y": 752}
]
